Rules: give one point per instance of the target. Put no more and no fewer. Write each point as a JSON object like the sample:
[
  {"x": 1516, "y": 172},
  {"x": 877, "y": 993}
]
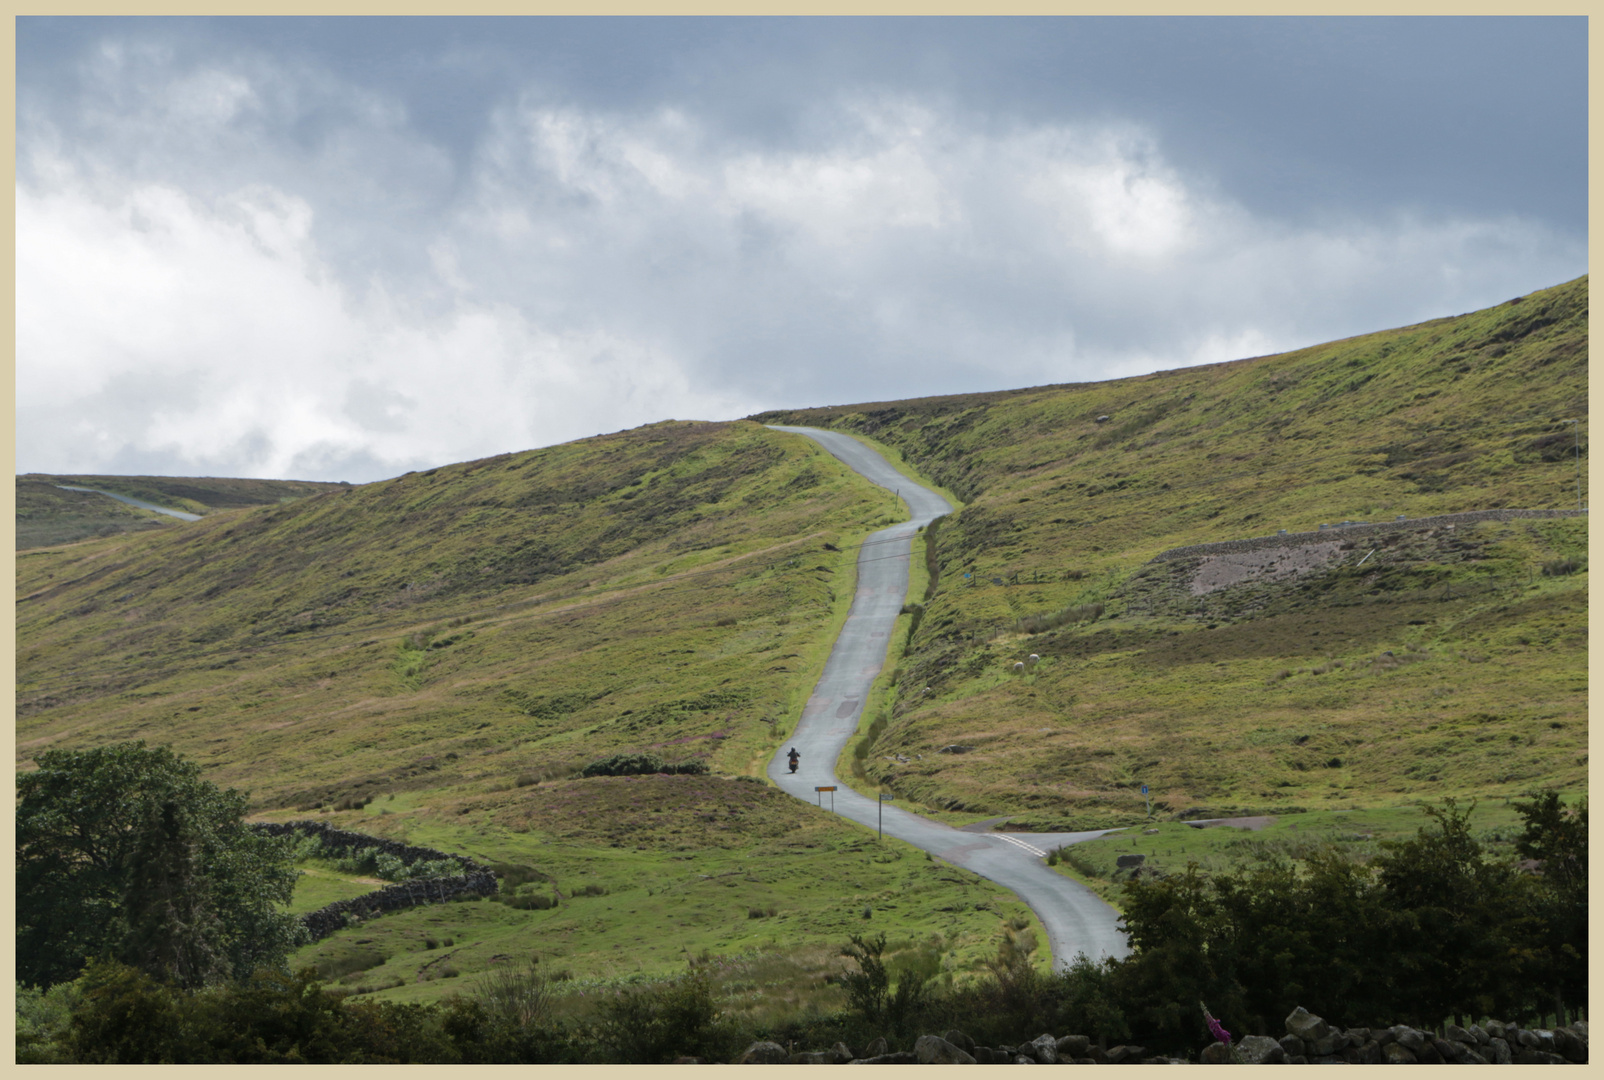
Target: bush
[
  {"x": 655, "y": 1025},
  {"x": 640, "y": 764}
]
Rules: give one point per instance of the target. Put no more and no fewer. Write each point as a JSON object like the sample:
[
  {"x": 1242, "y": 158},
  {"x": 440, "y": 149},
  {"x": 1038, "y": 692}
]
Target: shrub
[
  {"x": 654, "y": 1025},
  {"x": 640, "y": 764}
]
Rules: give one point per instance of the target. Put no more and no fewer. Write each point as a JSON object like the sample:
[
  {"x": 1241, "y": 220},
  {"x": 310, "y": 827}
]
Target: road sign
[
  {"x": 831, "y": 790},
  {"x": 1147, "y": 800},
  {"x": 1144, "y": 789}
]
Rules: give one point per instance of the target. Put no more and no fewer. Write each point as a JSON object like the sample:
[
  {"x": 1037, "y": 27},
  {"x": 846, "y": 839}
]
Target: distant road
[
  {"x": 141, "y": 503},
  {"x": 1076, "y": 920}
]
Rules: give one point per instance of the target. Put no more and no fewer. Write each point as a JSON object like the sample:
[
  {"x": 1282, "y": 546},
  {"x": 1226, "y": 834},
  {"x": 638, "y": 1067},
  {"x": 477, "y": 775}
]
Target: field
[{"x": 648, "y": 871}]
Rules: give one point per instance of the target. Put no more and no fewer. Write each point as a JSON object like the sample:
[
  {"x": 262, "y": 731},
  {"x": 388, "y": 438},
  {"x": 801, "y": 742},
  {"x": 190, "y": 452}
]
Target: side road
[{"x": 1076, "y": 920}]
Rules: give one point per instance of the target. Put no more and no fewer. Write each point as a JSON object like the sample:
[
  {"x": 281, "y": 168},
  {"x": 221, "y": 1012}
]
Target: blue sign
[{"x": 1144, "y": 789}]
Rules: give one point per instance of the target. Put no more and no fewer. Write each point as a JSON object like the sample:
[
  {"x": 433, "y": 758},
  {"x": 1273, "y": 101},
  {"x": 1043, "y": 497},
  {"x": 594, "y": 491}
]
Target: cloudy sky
[{"x": 345, "y": 248}]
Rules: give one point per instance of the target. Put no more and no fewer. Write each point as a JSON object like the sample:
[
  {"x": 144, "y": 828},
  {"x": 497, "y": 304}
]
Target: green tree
[
  {"x": 124, "y": 851},
  {"x": 1556, "y": 836},
  {"x": 1464, "y": 925}
]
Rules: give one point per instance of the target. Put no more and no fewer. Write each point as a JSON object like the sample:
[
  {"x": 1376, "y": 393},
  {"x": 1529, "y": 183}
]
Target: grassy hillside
[
  {"x": 435, "y": 657},
  {"x": 663, "y": 589},
  {"x": 48, "y": 515},
  {"x": 1447, "y": 662}
]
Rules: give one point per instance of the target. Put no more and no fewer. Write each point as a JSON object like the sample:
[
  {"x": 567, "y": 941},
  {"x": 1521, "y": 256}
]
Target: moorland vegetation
[{"x": 441, "y": 657}]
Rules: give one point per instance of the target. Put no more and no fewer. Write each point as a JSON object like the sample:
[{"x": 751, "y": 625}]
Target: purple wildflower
[{"x": 1216, "y": 1029}]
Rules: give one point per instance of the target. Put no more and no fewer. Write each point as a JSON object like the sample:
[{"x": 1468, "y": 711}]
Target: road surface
[
  {"x": 1076, "y": 920},
  {"x": 141, "y": 503}
]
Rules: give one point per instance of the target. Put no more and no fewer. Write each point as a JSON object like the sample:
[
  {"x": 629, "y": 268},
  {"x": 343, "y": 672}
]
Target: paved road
[
  {"x": 141, "y": 503},
  {"x": 1076, "y": 920}
]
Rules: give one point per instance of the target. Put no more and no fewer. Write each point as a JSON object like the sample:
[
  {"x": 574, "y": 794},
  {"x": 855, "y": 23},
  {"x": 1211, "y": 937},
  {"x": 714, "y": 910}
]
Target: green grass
[
  {"x": 1169, "y": 846},
  {"x": 1201, "y": 696},
  {"x": 679, "y": 865},
  {"x": 320, "y": 885},
  {"x": 665, "y": 589}
]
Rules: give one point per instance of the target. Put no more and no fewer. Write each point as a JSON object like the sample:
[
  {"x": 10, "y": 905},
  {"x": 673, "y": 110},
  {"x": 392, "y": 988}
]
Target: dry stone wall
[
  {"x": 1309, "y": 1040},
  {"x": 1260, "y": 543},
  {"x": 475, "y": 879}
]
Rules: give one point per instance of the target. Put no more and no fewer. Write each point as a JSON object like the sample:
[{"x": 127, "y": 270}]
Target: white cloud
[{"x": 355, "y": 303}]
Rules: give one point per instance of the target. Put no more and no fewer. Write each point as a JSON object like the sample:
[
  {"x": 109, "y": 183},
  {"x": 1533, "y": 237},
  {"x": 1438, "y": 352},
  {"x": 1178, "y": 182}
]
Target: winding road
[
  {"x": 181, "y": 515},
  {"x": 1076, "y": 920}
]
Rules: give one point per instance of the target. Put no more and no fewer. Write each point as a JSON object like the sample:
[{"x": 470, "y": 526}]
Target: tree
[
  {"x": 125, "y": 852},
  {"x": 1556, "y": 836}
]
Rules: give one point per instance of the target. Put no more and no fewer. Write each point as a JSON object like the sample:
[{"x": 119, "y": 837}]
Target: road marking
[{"x": 1032, "y": 848}]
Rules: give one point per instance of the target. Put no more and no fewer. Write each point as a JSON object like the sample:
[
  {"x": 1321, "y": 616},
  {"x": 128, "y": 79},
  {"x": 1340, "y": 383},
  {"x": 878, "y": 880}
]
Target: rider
[{"x": 795, "y": 757}]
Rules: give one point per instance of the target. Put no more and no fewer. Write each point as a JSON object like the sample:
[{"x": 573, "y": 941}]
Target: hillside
[
  {"x": 436, "y": 657},
  {"x": 1451, "y": 661},
  {"x": 47, "y": 514},
  {"x": 665, "y": 588}
]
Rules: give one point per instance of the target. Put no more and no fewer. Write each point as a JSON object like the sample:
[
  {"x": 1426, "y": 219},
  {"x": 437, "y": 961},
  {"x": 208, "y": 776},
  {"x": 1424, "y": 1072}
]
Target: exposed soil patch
[{"x": 1268, "y": 564}]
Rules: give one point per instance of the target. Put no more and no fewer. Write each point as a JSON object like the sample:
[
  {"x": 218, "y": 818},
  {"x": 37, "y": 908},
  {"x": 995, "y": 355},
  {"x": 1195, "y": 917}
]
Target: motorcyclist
[{"x": 795, "y": 758}]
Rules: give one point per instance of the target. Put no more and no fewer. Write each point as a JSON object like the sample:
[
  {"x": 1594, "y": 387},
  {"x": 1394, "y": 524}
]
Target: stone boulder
[
  {"x": 1126, "y": 1055},
  {"x": 1044, "y": 1048},
  {"x": 840, "y": 1054},
  {"x": 1215, "y": 1054},
  {"x": 1570, "y": 1046},
  {"x": 960, "y": 1040},
  {"x": 1396, "y": 1053},
  {"x": 1260, "y": 1050},
  {"x": 1307, "y": 1026},
  {"x": 1073, "y": 1046},
  {"x": 875, "y": 1049},
  {"x": 764, "y": 1053},
  {"x": 1408, "y": 1038},
  {"x": 1500, "y": 1053},
  {"x": 934, "y": 1050}
]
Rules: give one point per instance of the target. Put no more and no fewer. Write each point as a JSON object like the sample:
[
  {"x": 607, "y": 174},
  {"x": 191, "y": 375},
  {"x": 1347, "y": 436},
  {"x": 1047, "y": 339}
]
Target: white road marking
[{"x": 1032, "y": 848}]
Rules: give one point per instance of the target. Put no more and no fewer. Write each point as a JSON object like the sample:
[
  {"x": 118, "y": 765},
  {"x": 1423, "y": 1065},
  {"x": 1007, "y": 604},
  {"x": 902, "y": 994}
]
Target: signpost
[
  {"x": 1149, "y": 802},
  {"x": 879, "y": 825},
  {"x": 831, "y": 790}
]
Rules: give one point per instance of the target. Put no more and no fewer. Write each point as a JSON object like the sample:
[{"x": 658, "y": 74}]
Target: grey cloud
[{"x": 409, "y": 242}]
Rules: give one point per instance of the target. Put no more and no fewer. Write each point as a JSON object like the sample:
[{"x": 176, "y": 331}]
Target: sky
[{"x": 342, "y": 249}]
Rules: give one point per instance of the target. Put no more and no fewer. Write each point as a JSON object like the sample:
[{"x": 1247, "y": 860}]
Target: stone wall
[
  {"x": 1309, "y": 1040},
  {"x": 403, "y": 894},
  {"x": 342, "y": 840},
  {"x": 475, "y": 880},
  {"x": 1259, "y": 543}
]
